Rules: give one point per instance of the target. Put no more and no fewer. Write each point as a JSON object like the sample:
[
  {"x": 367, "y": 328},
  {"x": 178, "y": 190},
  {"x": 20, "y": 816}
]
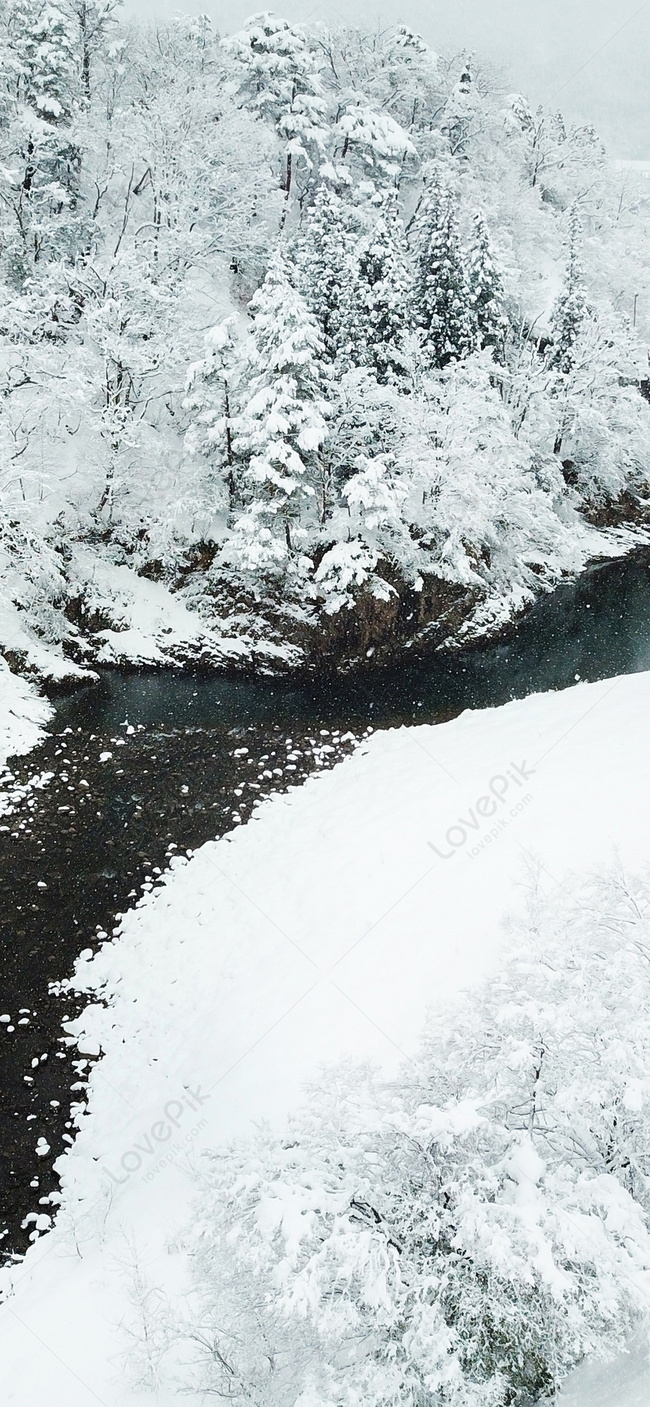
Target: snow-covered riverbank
[
  {"x": 110, "y": 614},
  {"x": 323, "y": 928},
  {"x": 23, "y": 715}
]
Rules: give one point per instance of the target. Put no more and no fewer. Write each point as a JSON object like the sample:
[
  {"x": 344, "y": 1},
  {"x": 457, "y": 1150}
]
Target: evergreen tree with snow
[
  {"x": 459, "y": 112},
  {"x": 379, "y": 316},
  {"x": 486, "y": 289},
  {"x": 568, "y": 321},
  {"x": 323, "y": 250},
  {"x": 41, "y": 54},
  {"x": 571, "y": 307},
  {"x": 442, "y": 293},
  {"x": 210, "y": 403},
  {"x": 280, "y": 430},
  {"x": 280, "y": 80},
  {"x": 39, "y": 175}
]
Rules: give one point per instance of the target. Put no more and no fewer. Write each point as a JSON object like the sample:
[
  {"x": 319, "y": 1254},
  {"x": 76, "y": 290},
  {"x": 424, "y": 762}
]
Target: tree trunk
[
  {"x": 229, "y": 455},
  {"x": 107, "y": 495},
  {"x": 82, "y": 14},
  {"x": 85, "y": 71},
  {"x": 287, "y": 189}
]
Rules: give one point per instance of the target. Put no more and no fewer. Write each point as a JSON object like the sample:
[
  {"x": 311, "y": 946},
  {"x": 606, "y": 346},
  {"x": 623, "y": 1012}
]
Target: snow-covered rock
[{"x": 23, "y": 714}]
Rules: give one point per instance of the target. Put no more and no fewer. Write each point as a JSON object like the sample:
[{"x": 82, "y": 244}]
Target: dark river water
[{"x": 143, "y": 764}]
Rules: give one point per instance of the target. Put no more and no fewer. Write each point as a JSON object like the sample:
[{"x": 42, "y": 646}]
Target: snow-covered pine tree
[
  {"x": 571, "y": 306},
  {"x": 280, "y": 430},
  {"x": 442, "y": 294},
  {"x": 486, "y": 289},
  {"x": 42, "y": 58},
  {"x": 368, "y": 144},
  {"x": 209, "y": 402},
  {"x": 459, "y": 112},
  {"x": 40, "y": 159},
  {"x": 280, "y": 80},
  {"x": 323, "y": 250},
  {"x": 379, "y": 316},
  {"x": 567, "y": 323}
]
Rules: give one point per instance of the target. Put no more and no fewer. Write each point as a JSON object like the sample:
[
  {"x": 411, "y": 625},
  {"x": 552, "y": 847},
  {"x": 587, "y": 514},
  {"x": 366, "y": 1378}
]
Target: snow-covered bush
[{"x": 467, "y": 1232}]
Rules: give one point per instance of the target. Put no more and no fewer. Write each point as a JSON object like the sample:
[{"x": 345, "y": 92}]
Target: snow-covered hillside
[
  {"x": 23, "y": 714},
  {"x": 322, "y": 929},
  {"x": 334, "y": 337}
]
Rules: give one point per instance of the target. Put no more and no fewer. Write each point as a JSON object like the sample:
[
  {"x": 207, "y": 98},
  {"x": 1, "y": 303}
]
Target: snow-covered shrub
[{"x": 466, "y": 1233}]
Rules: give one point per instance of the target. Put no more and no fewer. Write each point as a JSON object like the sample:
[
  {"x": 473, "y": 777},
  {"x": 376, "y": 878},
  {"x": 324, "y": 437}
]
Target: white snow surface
[
  {"x": 624, "y": 1383},
  {"x": 323, "y": 928},
  {"x": 41, "y": 658},
  {"x": 151, "y": 625},
  {"x": 23, "y": 714}
]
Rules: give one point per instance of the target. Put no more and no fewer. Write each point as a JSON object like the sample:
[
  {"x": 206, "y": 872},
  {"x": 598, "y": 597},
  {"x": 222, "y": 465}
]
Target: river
[{"x": 143, "y": 764}]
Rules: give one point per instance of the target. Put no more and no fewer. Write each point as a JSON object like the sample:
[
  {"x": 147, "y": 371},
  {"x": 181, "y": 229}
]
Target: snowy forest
[{"x": 333, "y": 338}]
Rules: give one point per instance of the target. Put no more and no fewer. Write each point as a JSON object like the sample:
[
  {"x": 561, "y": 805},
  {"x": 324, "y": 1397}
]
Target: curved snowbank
[
  {"x": 325, "y": 927},
  {"x": 23, "y": 714}
]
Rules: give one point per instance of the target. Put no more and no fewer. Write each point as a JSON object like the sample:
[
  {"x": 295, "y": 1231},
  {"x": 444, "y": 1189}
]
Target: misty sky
[{"x": 549, "y": 48}]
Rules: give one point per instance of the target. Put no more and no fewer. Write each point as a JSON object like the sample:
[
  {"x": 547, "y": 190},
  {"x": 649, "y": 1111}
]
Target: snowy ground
[
  {"x": 129, "y": 620},
  {"x": 150, "y": 625},
  {"x": 324, "y": 927},
  {"x": 22, "y": 714}
]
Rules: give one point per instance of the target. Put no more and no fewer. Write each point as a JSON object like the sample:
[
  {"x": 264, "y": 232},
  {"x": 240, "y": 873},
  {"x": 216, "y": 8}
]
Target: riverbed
[{"x": 142, "y": 766}]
